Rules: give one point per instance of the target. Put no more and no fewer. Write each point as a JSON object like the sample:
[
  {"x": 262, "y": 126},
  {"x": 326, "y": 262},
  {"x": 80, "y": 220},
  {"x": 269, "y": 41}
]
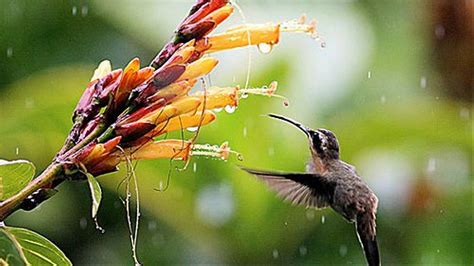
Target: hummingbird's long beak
[{"x": 291, "y": 121}]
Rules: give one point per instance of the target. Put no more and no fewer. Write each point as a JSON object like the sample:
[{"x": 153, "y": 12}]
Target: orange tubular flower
[{"x": 123, "y": 112}]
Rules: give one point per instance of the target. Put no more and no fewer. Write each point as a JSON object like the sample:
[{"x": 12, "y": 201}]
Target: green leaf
[
  {"x": 19, "y": 246},
  {"x": 14, "y": 175},
  {"x": 96, "y": 193}
]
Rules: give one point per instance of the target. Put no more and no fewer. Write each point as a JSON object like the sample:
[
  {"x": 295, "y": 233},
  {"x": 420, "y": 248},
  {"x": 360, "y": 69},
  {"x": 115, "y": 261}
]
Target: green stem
[{"x": 11, "y": 204}]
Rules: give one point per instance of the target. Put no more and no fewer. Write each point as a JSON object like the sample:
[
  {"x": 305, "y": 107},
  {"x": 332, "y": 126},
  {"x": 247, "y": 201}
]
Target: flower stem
[{"x": 11, "y": 204}]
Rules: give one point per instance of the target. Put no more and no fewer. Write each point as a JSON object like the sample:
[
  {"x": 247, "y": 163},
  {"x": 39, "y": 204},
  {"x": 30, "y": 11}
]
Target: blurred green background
[{"x": 394, "y": 83}]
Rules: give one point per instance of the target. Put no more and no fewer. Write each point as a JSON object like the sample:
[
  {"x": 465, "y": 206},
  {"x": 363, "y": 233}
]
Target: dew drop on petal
[
  {"x": 192, "y": 129},
  {"x": 265, "y": 48},
  {"x": 229, "y": 109},
  {"x": 303, "y": 251},
  {"x": 275, "y": 254}
]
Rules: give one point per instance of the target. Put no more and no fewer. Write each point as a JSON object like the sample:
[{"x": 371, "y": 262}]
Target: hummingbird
[{"x": 328, "y": 182}]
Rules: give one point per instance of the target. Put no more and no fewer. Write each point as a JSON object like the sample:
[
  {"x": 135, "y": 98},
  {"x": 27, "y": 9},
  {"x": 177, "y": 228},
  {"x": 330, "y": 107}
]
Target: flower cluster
[{"x": 122, "y": 112}]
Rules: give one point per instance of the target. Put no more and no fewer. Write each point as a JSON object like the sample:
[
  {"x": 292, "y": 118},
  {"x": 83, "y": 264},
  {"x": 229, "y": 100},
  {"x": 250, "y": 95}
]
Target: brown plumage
[{"x": 328, "y": 182}]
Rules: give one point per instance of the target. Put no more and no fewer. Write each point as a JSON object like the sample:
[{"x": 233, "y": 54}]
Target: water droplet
[
  {"x": 152, "y": 225},
  {"x": 29, "y": 103},
  {"x": 383, "y": 99},
  {"x": 310, "y": 214},
  {"x": 343, "y": 250},
  {"x": 440, "y": 31},
  {"x": 423, "y": 82},
  {"x": 245, "y": 132},
  {"x": 271, "y": 151},
  {"x": 303, "y": 251},
  {"x": 230, "y": 109},
  {"x": 74, "y": 10},
  {"x": 83, "y": 223},
  {"x": 275, "y": 254},
  {"x": 323, "y": 219},
  {"x": 285, "y": 223},
  {"x": 431, "y": 165},
  {"x": 192, "y": 129},
  {"x": 369, "y": 74},
  {"x": 9, "y": 52},
  {"x": 84, "y": 11},
  {"x": 244, "y": 95},
  {"x": 265, "y": 48},
  {"x": 437, "y": 251},
  {"x": 194, "y": 167},
  {"x": 464, "y": 113},
  {"x": 217, "y": 110},
  {"x": 17, "y": 150}
]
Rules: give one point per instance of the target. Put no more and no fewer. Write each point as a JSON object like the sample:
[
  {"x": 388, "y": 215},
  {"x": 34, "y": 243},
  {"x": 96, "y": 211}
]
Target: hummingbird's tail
[{"x": 368, "y": 239}]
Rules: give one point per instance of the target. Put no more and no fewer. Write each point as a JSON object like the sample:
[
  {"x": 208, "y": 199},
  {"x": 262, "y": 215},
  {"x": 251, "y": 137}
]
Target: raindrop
[
  {"x": 229, "y": 109},
  {"x": 244, "y": 95},
  {"x": 323, "y": 219},
  {"x": 9, "y": 52},
  {"x": 194, "y": 167},
  {"x": 217, "y": 110},
  {"x": 275, "y": 254},
  {"x": 245, "y": 132},
  {"x": 265, "y": 48},
  {"x": 17, "y": 150},
  {"x": 83, "y": 223},
  {"x": 303, "y": 251},
  {"x": 369, "y": 74},
  {"x": 192, "y": 129},
  {"x": 74, "y": 10},
  {"x": 431, "y": 165},
  {"x": 343, "y": 250},
  {"x": 440, "y": 32},
  {"x": 310, "y": 214},
  {"x": 152, "y": 225},
  {"x": 383, "y": 99},
  {"x": 464, "y": 113},
  {"x": 29, "y": 103},
  {"x": 423, "y": 82},
  {"x": 84, "y": 11},
  {"x": 271, "y": 151}
]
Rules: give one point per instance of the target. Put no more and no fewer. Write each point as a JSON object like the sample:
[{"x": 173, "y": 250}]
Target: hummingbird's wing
[
  {"x": 307, "y": 189},
  {"x": 365, "y": 226}
]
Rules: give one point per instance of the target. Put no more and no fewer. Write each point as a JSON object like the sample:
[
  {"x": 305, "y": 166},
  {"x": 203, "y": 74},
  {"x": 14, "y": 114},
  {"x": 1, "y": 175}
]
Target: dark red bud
[{"x": 133, "y": 130}]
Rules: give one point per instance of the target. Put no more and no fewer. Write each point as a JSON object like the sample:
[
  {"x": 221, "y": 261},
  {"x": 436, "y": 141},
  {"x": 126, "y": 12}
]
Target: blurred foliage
[{"x": 217, "y": 214}]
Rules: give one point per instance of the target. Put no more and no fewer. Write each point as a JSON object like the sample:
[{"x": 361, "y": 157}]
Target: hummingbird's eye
[{"x": 318, "y": 141}]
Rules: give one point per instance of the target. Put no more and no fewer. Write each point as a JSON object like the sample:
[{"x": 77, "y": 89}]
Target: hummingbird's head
[{"x": 323, "y": 143}]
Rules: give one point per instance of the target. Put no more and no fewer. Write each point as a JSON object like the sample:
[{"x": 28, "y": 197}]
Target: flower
[{"x": 122, "y": 112}]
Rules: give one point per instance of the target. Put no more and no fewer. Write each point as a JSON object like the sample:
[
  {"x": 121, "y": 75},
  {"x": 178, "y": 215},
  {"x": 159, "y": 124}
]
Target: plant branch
[{"x": 11, "y": 204}]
